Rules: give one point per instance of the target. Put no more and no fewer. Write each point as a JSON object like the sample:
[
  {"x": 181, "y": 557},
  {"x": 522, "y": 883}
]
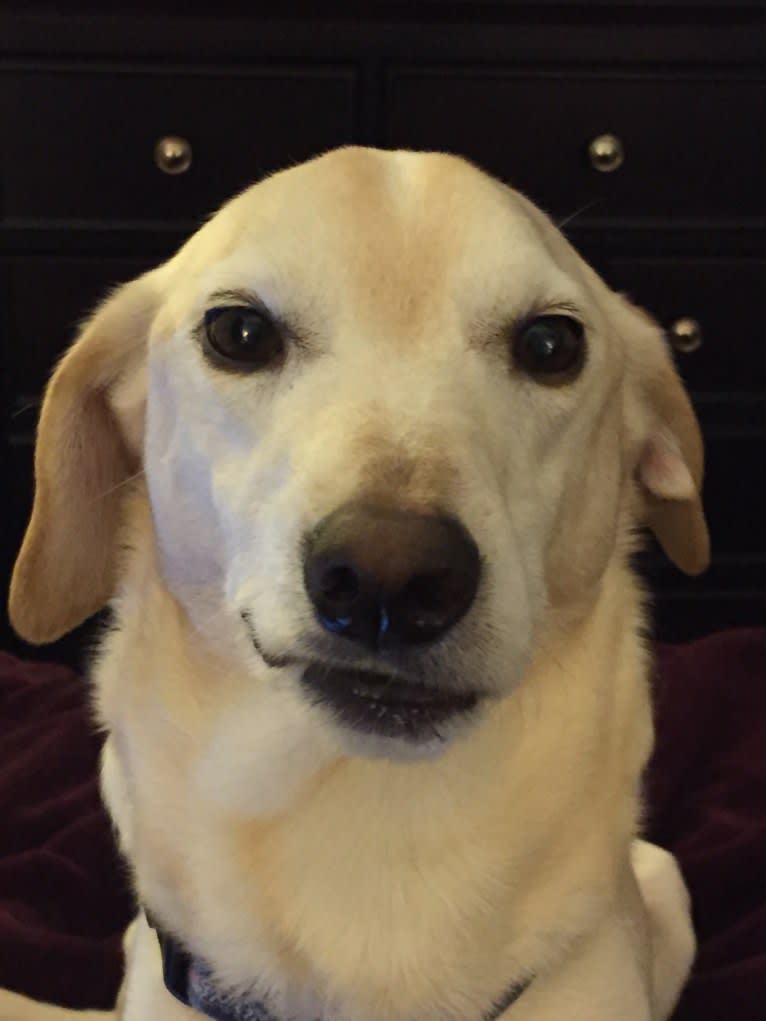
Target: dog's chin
[
  {"x": 380, "y": 716},
  {"x": 361, "y": 745}
]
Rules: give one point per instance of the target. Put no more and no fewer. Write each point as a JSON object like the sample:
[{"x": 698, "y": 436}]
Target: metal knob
[
  {"x": 685, "y": 335},
  {"x": 606, "y": 153},
  {"x": 173, "y": 155}
]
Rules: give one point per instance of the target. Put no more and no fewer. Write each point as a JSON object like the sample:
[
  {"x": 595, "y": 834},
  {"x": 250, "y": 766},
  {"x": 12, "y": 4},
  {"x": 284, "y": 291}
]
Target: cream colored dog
[{"x": 359, "y": 470}]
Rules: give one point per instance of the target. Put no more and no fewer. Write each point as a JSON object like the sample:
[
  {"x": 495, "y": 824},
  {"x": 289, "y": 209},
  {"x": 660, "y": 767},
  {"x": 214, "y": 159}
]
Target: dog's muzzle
[{"x": 388, "y": 580}]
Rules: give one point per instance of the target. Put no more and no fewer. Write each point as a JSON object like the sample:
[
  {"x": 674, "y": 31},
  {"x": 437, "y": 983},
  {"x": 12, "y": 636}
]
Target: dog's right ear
[
  {"x": 667, "y": 443},
  {"x": 89, "y": 442}
]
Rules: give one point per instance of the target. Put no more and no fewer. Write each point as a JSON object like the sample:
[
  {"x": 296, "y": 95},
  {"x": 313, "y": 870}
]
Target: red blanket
[{"x": 64, "y": 900}]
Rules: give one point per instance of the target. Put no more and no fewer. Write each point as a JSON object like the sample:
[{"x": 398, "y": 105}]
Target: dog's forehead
[
  {"x": 351, "y": 196},
  {"x": 369, "y": 229}
]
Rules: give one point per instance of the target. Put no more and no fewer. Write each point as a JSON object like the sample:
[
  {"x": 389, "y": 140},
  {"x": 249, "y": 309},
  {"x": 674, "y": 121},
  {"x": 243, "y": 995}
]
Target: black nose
[{"x": 388, "y": 577}]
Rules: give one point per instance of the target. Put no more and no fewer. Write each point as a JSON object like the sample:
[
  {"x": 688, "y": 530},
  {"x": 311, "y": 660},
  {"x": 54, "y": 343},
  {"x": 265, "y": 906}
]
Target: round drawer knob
[
  {"x": 606, "y": 153},
  {"x": 685, "y": 335},
  {"x": 173, "y": 155}
]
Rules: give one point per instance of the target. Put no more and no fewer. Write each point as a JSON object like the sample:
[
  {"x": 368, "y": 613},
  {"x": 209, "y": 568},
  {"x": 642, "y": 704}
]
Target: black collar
[{"x": 191, "y": 982}]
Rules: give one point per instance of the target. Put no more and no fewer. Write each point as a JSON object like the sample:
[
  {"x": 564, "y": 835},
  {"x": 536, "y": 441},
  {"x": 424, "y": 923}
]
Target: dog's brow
[
  {"x": 555, "y": 306},
  {"x": 241, "y": 297}
]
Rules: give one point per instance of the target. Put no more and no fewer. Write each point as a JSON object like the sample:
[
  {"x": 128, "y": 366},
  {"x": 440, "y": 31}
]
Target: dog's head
[{"x": 391, "y": 425}]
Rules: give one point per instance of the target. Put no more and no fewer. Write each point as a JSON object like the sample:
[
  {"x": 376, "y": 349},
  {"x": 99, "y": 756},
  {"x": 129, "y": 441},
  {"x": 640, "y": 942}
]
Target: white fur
[{"x": 366, "y": 879}]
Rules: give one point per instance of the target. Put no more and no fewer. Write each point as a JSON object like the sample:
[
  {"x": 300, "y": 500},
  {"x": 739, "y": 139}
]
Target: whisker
[
  {"x": 577, "y": 212},
  {"x": 24, "y": 408},
  {"x": 125, "y": 482}
]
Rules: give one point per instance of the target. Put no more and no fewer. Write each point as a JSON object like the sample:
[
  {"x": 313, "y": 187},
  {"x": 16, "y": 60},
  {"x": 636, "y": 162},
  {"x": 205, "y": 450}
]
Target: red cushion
[
  {"x": 63, "y": 895},
  {"x": 707, "y": 795}
]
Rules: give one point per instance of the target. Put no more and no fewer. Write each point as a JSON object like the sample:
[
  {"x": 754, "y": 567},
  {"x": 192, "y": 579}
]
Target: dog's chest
[{"x": 328, "y": 915}]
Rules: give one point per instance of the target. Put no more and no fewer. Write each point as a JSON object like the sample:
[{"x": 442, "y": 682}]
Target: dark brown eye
[
  {"x": 241, "y": 338},
  {"x": 550, "y": 349}
]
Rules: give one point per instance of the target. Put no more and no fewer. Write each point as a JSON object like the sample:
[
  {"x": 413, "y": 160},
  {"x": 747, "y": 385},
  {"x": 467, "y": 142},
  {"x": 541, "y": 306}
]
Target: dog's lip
[
  {"x": 385, "y": 704},
  {"x": 373, "y": 701},
  {"x": 276, "y": 661}
]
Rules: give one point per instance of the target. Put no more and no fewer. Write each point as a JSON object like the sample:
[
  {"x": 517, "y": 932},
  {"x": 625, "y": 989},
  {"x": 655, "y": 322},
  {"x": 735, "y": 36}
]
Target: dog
[{"x": 361, "y": 471}]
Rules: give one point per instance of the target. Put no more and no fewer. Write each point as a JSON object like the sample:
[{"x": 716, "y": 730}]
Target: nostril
[
  {"x": 344, "y": 599},
  {"x": 431, "y": 602},
  {"x": 339, "y": 584}
]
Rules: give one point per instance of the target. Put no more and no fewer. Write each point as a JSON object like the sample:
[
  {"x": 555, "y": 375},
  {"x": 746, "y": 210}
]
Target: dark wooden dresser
[{"x": 642, "y": 127}]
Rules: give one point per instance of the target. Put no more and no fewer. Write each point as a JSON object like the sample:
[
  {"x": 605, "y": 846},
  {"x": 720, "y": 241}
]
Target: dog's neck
[{"x": 387, "y": 889}]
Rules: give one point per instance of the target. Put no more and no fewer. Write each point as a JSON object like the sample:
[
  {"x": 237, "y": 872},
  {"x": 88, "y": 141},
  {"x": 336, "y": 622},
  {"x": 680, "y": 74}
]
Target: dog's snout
[{"x": 385, "y": 576}]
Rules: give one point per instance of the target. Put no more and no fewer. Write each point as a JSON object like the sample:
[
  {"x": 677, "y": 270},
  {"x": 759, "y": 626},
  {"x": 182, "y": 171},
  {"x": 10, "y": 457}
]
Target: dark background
[{"x": 521, "y": 89}]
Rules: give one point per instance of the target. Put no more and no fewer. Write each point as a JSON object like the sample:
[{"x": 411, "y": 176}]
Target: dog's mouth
[
  {"x": 386, "y": 706},
  {"x": 378, "y": 704}
]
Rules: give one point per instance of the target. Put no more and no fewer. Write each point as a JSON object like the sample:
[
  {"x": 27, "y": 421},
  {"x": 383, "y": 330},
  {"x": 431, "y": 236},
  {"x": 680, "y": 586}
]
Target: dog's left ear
[
  {"x": 670, "y": 458},
  {"x": 88, "y": 445}
]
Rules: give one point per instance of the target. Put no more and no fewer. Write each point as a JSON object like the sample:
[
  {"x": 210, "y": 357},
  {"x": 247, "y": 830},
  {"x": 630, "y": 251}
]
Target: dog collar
[{"x": 191, "y": 981}]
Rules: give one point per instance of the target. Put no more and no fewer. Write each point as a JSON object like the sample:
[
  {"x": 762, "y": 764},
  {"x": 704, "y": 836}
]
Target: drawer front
[
  {"x": 734, "y": 492},
  {"x": 681, "y": 137},
  {"x": 43, "y": 301},
  {"x": 725, "y": 298},
  {"x": 81, "y": 144}
]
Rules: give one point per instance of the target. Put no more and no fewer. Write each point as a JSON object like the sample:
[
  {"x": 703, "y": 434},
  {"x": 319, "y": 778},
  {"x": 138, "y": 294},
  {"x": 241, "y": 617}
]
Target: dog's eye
[
  {"x": 241, "y": 337},
  {"x": 550, "y": 348}
]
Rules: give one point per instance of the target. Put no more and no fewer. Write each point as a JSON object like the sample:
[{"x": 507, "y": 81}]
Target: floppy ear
[
  {"x": 88, "y": 445},
  {"x": 670, "y": 452}
]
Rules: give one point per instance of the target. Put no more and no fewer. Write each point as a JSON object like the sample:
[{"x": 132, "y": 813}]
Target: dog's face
[{"x": 392, "y": 428}]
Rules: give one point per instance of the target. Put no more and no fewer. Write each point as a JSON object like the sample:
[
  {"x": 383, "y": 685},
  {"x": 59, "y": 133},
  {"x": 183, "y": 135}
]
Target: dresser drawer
[
  {"x": 43, "y": 301},
  {"x": 724, "y": 298},
  {"x": 81, "y": 144},
  {"x": 734, "y": 492},
  {"x": 681, "y": 136}
]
